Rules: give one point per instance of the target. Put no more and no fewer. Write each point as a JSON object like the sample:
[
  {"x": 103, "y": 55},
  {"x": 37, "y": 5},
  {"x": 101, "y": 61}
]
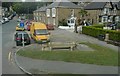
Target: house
[
  {"x": 101, "y": 12},
  {"x": 40, "y": 14},
  {"x": 58, "y": 11}
]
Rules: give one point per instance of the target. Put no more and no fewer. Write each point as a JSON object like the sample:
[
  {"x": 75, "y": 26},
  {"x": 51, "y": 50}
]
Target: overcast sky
[{"x": 58, "y": 0}]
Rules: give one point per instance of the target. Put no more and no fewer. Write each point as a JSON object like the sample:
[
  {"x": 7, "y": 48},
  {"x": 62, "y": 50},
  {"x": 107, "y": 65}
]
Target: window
[
  {"x": 37, "y": 18},
  {"x": 72, "y": 21},
  {"x": 41, "y": 32},
  {"x": 53, "y": 21},
  {"x": 48, "y": 20},
  {"x": 106, "y": 10},
  {"x": 37, "y": 13},
  {"x": 117, "y": 18},
  {"x": 53, "y": 12},
  {"x": 72, "y": 12},
  {"x": 19, "y": 35},
  {"x": 40, "y": 18},
  {"x": 34, "y": 18},
  {"x": 68, "y": 21},
  {"x": 26, "y": 36},
  {"x": 104, "y": 19},
  {"x": 48, "y": 12}
]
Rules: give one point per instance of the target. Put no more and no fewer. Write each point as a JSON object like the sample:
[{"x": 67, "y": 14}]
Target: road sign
[{"x": 22, "y": 24}]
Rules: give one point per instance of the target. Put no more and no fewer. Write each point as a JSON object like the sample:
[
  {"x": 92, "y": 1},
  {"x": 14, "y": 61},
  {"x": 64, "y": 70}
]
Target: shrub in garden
[
  {"x": 98, "y": 25},
  {"x": 95, "y": 32},
  {"x": 63, "y": 22},
  {"x": 114, "y": 35}
]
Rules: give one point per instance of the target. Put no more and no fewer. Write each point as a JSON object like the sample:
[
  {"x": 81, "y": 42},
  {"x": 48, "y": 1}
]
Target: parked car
[
  {"x": 28, "y": 27},
  {"x": 28, "y": 24},
  {"x": 20, "y": 36},
  {"x": 6, "y": 20},
  {"x": 2, "y": 21},
  {"x": 50, "y": 27},
  {"x": 18, "y": 28},
  {"x": 112, "y": 25},
  {"x": 10, "y": 17},
  {"x": 18, "y": 20}
]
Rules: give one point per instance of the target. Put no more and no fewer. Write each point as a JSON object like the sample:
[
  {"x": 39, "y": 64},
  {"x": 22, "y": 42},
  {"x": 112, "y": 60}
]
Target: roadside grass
[{"x": 101, "y": 56}]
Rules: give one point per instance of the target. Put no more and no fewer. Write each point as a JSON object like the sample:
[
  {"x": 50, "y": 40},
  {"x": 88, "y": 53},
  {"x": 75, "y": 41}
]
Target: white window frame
[
  {"x": 37, "y": 18},
  {"x": 48, "y": 20},
  {"x": 53, "y": 12},
  {"x": 40, "y": 18},
  {"x": 105, "y": 19},
  {"x": 72, "y": 12},
  {"x": 70, "y": 23},
  {"x": 48, "y": 12},
  {"x": 117, "y": 18},
  {"x": 54, "y": 21},
  {"x": 106, "y": 11}
]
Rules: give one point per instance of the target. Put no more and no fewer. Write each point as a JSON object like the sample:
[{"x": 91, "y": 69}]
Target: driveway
[{"x": 61, "y": 35}]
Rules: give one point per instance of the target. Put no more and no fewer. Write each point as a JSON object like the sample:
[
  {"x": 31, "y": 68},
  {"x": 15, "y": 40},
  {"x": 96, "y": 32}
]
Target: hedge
[
  {"x": 98, "y": 25},
  {"x": 95, "y": 32}
]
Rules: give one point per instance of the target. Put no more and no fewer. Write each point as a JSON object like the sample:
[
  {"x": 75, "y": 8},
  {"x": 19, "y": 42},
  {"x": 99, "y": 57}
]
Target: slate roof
[
  {"x": 95, "y": 5},
  {"x": 100, "y": 5},
  {"x": 63, "y": 4},
  {"x": 41, "y": 9}
]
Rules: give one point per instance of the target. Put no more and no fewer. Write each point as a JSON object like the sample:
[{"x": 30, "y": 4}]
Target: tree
[
  {"x": 18, "y": 8},
  {"x": 82, "y": 13},
  {"x": 26, "y": 7},
  {"x": 7, "y": 4}
]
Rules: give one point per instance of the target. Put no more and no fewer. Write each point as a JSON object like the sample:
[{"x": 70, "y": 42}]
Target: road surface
[{"x": 8, "y": 65}]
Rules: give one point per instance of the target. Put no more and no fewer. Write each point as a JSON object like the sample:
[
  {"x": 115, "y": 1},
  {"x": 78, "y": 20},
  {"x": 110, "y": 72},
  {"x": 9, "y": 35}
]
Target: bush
[
  {"x": 95, "y": 32},
  {"x": 98, "y": 25},
  {"x": 63, "y": 22},
  {"x": 114, "y": 35}
]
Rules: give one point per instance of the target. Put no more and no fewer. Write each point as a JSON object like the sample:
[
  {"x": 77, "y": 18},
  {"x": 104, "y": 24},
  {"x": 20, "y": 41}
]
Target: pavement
[{"x": 35, "y": 66}]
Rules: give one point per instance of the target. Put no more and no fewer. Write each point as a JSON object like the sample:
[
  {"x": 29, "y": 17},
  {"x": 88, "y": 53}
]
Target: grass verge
[{"x": 102, "y": 55}]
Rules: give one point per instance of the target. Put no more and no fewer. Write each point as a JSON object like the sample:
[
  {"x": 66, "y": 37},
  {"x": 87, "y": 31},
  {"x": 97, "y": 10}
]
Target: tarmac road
[{"x": 8, "y": 65}]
